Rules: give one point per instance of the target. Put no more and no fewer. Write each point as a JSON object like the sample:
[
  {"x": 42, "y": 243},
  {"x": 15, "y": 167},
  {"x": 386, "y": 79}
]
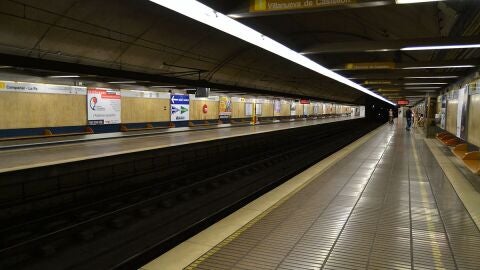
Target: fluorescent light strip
[
  {"x": 204, "y": 14},
  {"x": 415, "y": 1},
  {"x": 459, "y": 66},
  {"x": 123, "y": 82},
  {"x": 432, "y": 87},
  {"x": 65, "y": 76},
  {"x": 440, "y": 47},
  {"x": 424, "y": 83},
  {"x": 163, "y": 86},
  {"x": 433, "y": 77},
  {"x": 427, "y": 91}
]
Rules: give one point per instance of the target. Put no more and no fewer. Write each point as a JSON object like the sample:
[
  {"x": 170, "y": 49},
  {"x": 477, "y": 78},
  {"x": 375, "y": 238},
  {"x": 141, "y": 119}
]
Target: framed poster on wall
[
  {"x": 225, "y": 107},
  {"x": 293, "y": 108},
  {"x": 462, "y": 113},
  {"x": 277, "y": 106},
  {"x": 103, "y": 106},
  {"x": 179, "y": 107},
  {"x": 258, "y": 108},
  {"x": 248, "y": 109}
]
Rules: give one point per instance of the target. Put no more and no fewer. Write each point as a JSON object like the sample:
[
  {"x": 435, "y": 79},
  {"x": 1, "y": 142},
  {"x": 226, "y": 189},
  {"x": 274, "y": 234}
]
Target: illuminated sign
[
  {"x": 304, "y": 101},
  {"x": 281, "y": 5},
  {"x": 370, "y": 65},
  {"x": 402, "y": 102},
  {"x": 376, "y": 82}
]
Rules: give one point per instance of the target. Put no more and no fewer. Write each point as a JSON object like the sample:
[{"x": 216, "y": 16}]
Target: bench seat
[
  {"x": 472, "y": 161},
  {"x": 460, "y": 150},
  {"x": 47, "y": 133}
]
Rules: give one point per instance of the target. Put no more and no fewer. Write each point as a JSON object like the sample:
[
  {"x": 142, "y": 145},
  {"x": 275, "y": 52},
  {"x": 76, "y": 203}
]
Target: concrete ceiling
[{"x": 140, "y": 36}]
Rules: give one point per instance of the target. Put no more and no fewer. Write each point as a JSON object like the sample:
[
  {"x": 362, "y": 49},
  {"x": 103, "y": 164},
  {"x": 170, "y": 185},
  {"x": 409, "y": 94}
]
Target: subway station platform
[
  {"x": 383, "y": 202},
  {"x": 51, "y": 151}
]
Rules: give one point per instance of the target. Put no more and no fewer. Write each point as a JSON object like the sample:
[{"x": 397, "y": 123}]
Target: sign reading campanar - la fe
[
  {"x": 179, "y": 107},
  {"x": 278, "y": 5}
]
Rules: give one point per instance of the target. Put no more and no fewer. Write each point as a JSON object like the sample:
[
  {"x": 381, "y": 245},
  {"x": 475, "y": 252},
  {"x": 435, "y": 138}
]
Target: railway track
[{"x": 139, "y": 219}]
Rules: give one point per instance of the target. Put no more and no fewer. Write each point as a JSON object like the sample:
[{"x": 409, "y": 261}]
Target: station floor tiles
[{"x": 385, "y": 205}]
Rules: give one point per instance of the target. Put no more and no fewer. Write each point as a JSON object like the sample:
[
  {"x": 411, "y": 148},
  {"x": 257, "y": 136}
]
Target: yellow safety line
[
  {"x": 437, "y": 255},
  {"x": 229, "y": 239}
]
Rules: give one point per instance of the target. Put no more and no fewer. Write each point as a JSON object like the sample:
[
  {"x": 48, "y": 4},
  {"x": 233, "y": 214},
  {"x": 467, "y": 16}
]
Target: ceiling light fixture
[
  {"x": 425, "y": 83},
  {"x": 163, "y": 86},
  {"x": 429, "y": 87},
  {"x": 415, "y": 1},
  {"x": 433, "y": 77},
  {"x": 65, "y": 76},
  {"x": 204, "y": 14},
  {"x": 427, "y": 91},
  {"x": 123, "y": 82},
  {"x": 459, "y": 66},
  {"x": 441, "y": 47}
]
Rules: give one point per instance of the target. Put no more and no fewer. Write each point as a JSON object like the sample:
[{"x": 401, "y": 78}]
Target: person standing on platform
[
  {"x": 409, "y": 115},
  {"x": 390, "y": 116}
]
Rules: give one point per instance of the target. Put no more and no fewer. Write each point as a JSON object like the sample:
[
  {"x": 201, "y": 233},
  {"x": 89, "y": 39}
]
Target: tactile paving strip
[{"x": 388, "y": 205}]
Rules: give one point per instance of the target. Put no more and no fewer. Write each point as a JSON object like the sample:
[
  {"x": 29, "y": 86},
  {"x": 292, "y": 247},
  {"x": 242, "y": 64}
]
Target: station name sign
[
  {"x": 282, "y": 5},
  {"x": 304, "y": 101},
  {"x": 370, "y": 65}
]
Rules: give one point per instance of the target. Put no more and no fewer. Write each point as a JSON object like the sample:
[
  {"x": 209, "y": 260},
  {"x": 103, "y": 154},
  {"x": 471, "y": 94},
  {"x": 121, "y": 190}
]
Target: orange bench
[
  {"x": 470, "y": 158},
  {"x": 205, "y": 123},
  {"x": 124, "y": 128},
  {"x": 241, "y": 121},
  {"x": 460, "y": 150},
  {"x": 449, "y": 139},
  {"x": 47, "y": 133},
  {"x": 472, "y": 161}
]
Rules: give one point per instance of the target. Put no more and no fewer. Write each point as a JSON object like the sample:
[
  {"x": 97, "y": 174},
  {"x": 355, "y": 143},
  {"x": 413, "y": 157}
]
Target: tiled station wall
[
  {"x": 22, "y": 110},
  {"x": 473, "y": 112}
]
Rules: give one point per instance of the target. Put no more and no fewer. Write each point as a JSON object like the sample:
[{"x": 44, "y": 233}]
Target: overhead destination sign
[
  {"x": 370, "y": 65},
  {"x": 376, "y": 82},
  {"x": 282, "y": 5}
]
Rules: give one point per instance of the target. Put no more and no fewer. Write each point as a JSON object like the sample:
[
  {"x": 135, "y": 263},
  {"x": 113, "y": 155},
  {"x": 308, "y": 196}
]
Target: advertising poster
[
  {"x": 103, "y": 106},
  {"x": 462, "y": 113},
  {"x": 258, "y": 108},
  {"x": 179, "y": 107},
  {"x": 443, "y": 112},
  {"x": 248, "y": 109},
  {"x": 293, "y": 108},
  {"x": 225, "y": 107},
  {"x": 362, "y": 111},
  {"x": 277, "y": 106}
]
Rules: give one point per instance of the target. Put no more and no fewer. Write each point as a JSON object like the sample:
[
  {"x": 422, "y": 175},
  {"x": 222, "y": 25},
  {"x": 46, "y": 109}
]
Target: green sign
[{"x": 281, "y": 5}]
